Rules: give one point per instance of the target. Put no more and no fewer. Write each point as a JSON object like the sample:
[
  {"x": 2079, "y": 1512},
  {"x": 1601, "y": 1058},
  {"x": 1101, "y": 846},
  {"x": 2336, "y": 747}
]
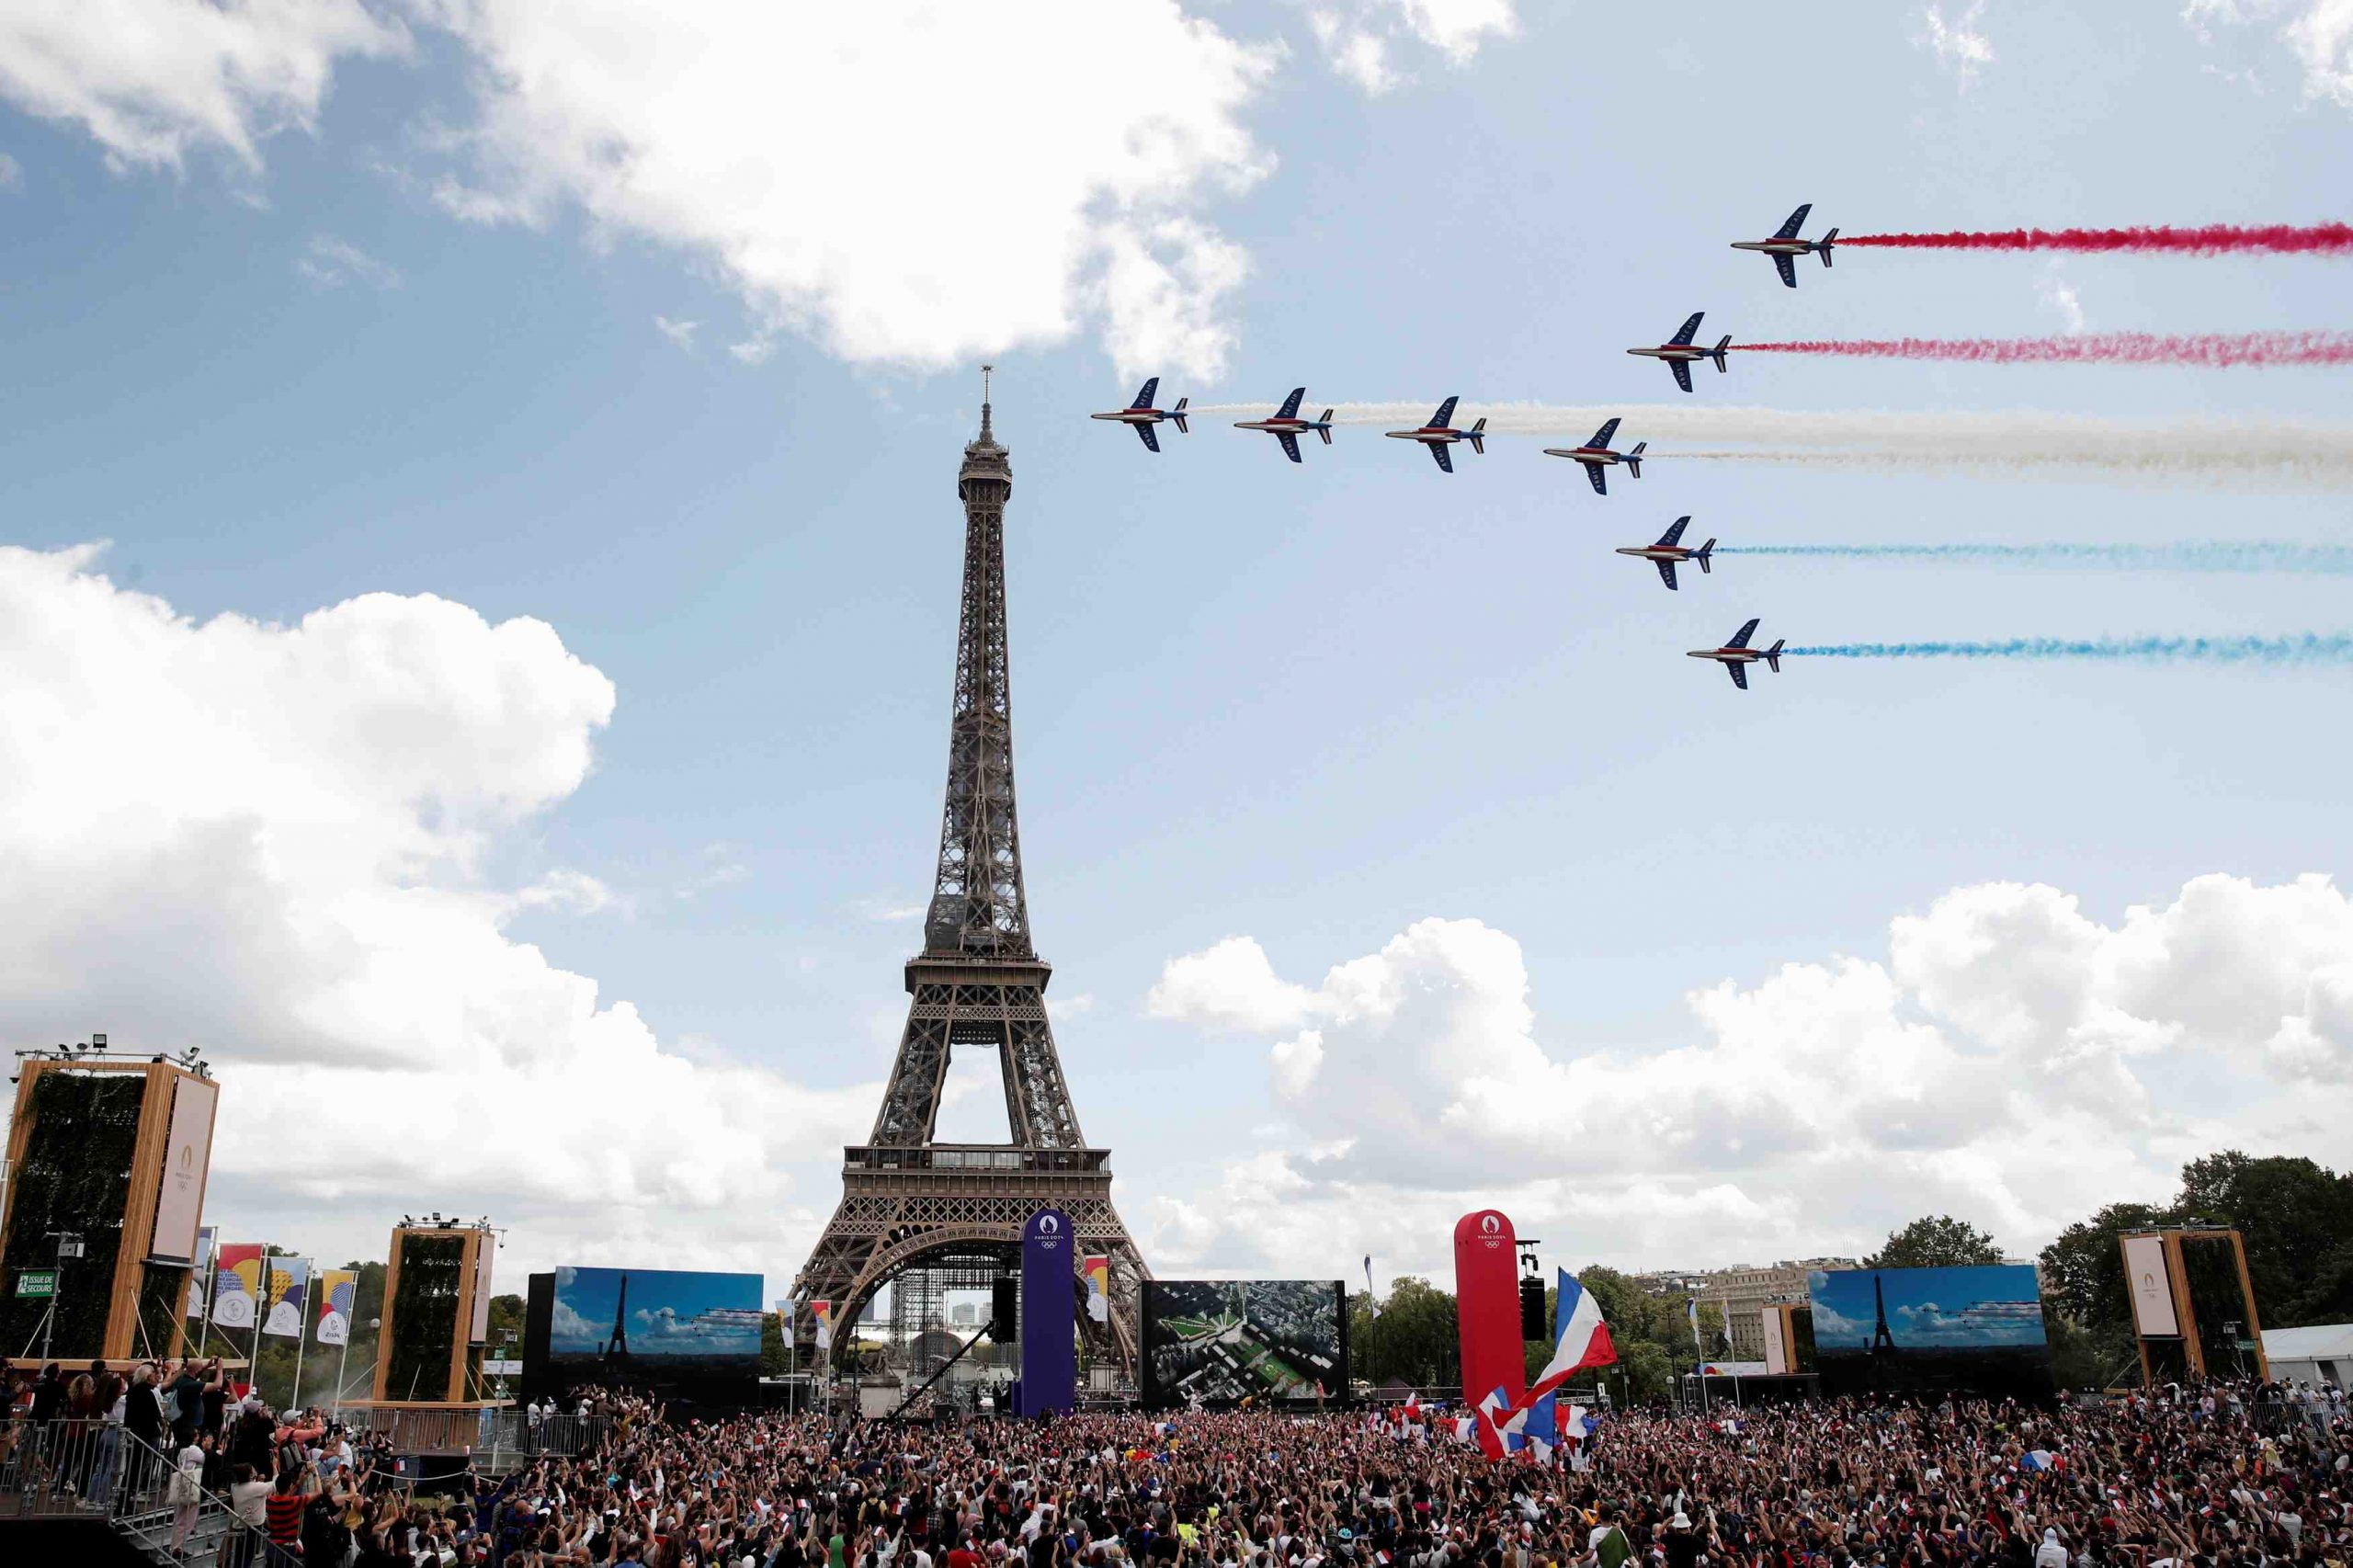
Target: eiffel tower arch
[{"x": 909, "y": 1200}]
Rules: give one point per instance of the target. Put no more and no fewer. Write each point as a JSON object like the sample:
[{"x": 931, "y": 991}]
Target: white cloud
[
  {"x": 2318, "y": 32},
  {"x": 2011, "y": 1060},
  {"x": 681, "y": 333},
  {"x": 154, "y": 80},
  {"x": 1082, "y": 141},
  {"x": 2053, "y": 290},
  {"x": 12, "y": 174},
  {"x": 267, "y": 841},
  {"x": 754, "y": 350},
  {"x": 1961, "y": 43},
  {"x": 1229, "y": 986},
  {"x": 331, "y": 263},
  {"x": 1360, "y": 37}
]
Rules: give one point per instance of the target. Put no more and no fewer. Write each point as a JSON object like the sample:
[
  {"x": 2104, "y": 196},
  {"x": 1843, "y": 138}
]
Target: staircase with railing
[{"x": 68, "y": 1469}]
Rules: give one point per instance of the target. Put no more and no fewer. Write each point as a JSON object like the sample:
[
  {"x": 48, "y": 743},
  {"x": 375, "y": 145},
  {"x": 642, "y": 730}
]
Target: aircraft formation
[{"x": 1596, "y": 456}]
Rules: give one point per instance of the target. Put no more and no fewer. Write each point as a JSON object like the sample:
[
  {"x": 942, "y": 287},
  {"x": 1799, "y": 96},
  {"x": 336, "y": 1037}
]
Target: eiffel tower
[
  {"x": 1882, "y": 1342},
  {"x": 909, "y": 1200}
]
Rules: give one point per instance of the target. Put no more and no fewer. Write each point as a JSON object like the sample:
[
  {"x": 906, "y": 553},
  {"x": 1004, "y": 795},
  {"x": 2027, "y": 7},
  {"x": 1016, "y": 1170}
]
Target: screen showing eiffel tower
[
  {"x": 1966, "y": 1330},
  {"x": 673, "y": 1332}
]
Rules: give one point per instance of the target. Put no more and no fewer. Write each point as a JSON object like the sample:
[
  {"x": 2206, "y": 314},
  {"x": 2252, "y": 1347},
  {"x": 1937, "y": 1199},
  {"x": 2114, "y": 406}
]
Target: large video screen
[
  {"x": 667, "y": 1330},
  {"x": 1216, "y": 1342},
  {"x": 1972, "y": 1330}
]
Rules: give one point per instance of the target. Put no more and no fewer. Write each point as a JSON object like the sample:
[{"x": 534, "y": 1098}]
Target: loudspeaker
[
  {"x": 1531, "y": 1309},
  {"x": 1004, "y": 1296}
]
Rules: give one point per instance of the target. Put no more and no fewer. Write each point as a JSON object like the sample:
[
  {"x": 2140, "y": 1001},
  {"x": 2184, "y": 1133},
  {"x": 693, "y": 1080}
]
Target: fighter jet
[
  {"x": 1439, "y": 435},
  {"x": 1785, "y": 246},
  {"x": 1596, "y": 456},
  {"x": 1679, "y": 352},
  {"x": 1288, "y": 427},
  {"x": 1736, "y": 654},
  {"x": 1667, "y": 553},
  {"x": 1143, "y": 416}
]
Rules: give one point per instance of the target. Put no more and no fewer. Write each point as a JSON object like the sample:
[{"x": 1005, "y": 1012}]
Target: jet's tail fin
[
  {"x": 1705, "y": 551},
  {"x": 1323, "y": 427},
  {"x": 1634, "y": 458},
  {"x": 1773, "y": 656},
  {"x": 1827, "y": 241},
  {"x": 1178, "y": 413},
  {"x": 1479, "y": 435},
  {"x": 1717, "y": 353}
]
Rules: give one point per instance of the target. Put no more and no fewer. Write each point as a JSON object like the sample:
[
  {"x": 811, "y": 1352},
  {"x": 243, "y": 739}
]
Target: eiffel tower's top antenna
[{"x": 986, "y": 435}]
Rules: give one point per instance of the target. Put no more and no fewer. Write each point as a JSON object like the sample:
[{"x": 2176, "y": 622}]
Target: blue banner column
[{"x": 1048, "y": 1312}]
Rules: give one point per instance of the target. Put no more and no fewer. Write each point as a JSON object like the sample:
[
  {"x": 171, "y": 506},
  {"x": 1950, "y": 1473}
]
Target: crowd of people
[{"x": 2224, "y": 1475}]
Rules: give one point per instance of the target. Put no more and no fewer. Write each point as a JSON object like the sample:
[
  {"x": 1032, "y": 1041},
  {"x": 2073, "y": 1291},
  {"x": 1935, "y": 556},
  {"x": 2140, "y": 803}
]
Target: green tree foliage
[
  {"x": 1416, "y": 1336},
  {"x": 2295, "y": 1218},
  {"x": 2296, "y": 1221},
  {"x": 1935, "y": 1241},
  {"x": 774, "y": 1361}
]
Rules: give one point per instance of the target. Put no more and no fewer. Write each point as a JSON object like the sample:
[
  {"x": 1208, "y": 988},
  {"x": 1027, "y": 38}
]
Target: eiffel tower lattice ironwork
[
  {"x": 908, "y": 1199},
  {"x": 1882, "y": 1342}
]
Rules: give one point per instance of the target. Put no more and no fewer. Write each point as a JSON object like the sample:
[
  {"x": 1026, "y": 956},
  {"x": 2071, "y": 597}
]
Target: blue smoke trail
[
  {"x": 2216, "y": 555},
  {"x": 2309, "y": 648}
]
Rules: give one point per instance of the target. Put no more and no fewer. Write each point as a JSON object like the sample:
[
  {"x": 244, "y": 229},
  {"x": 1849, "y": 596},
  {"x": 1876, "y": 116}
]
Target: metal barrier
[
  {"x": 86, "y": 1467},
  {"x": 491, "y": 1436}
]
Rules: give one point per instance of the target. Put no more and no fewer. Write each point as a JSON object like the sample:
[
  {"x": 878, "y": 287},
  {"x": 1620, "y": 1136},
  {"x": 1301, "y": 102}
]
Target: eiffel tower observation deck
[{"x": 910, "y": 1202}]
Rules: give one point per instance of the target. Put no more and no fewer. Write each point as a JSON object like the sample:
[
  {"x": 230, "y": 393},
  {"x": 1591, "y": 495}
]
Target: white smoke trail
[{"x": 2270, "y": 455}]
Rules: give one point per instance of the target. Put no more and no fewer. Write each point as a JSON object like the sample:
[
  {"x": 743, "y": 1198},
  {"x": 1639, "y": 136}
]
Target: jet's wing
[
  {"x": 1740, "y": 638},
  {"x": 1437, "y": 451},
  {"x": 1289, "y": 409},
  {"x": 1665, "y": 573},
  {"x": 1787, "y": 267},
  {"x": 1597, "y": 473},
  {"x": 1150, "y": 439},
  {"x": 1601, "y": 437},
  {"x": 1150, "y": 391},
  {"x": 1290, "y": 444},
  {"x": 1444, "y": 418},
  {"x": 1667, "y": 539},
  {"x": 1739, "y": 676},
  {"x": 1788, "y": 230},
  {"x": 1691, "y": 330},
  {"x": 1682, "y": 369}
]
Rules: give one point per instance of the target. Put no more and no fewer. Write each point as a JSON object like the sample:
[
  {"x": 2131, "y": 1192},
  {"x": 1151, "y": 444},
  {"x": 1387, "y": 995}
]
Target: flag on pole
[
  {"x": 237, "y": 1278},
  {"x": 1371, "y": 1297},
  {"x": 1097, "y": 1271},
  {"x": 336, "y": 1288},
  {"x": 199, "y": 1288},
  {"x": 824, "y": 1312},
  {"x": 1693, "y": 1304},
  {"x": 1580, "y": 1337},
  {"x": 282, "y": 1306}
]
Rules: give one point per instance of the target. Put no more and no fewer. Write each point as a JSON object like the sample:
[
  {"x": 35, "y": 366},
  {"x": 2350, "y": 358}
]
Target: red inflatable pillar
[{"x": 1486, "y": 1297}]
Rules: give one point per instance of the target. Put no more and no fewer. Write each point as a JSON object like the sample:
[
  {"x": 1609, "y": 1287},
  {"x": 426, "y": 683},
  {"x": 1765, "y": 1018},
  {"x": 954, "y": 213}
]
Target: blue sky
[
  {"x": 1953, "y": 1308},
  {"x": 391, "y": 323}
]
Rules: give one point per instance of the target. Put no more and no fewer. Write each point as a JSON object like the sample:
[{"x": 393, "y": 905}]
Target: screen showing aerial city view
[{"x": 1221, "y": 1341}]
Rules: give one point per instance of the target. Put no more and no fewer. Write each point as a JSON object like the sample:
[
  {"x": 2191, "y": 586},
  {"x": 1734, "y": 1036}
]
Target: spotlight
[{"x": 98, "y": 1042}]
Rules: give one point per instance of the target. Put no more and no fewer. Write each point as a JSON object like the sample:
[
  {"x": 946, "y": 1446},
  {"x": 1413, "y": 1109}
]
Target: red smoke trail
[
  {"x": 2213, "y": 239},
  {"x": 2215, "y": 349}
]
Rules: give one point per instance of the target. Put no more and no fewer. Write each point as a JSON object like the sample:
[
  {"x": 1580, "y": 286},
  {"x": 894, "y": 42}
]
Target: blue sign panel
[{"x": 1048, "y": 1312}]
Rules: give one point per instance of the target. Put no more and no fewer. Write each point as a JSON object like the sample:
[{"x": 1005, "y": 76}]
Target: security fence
[{"x": 78, "y": 1466}]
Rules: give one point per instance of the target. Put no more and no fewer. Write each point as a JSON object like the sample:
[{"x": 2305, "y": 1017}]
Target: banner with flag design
[
  {"x": 282, "y": 1307},
  {"x": 236, "y": 1286},
  {"x": 338, "y": 1287}
]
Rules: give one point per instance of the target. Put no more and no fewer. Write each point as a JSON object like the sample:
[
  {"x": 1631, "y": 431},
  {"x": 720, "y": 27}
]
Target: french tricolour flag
[{"x": 1580, "y": 1339}]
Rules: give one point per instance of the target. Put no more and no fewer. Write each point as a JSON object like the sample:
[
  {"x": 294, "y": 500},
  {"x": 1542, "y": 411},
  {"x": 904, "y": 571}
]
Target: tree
[
  {"x": 773, "y": 1359},
  {"x": 2082, "y": 1268},
  {"x": 1416, "y": 1337},
  {"x": 1936, "y": 1240},
  {"x": 2295, "y": 1218}
]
